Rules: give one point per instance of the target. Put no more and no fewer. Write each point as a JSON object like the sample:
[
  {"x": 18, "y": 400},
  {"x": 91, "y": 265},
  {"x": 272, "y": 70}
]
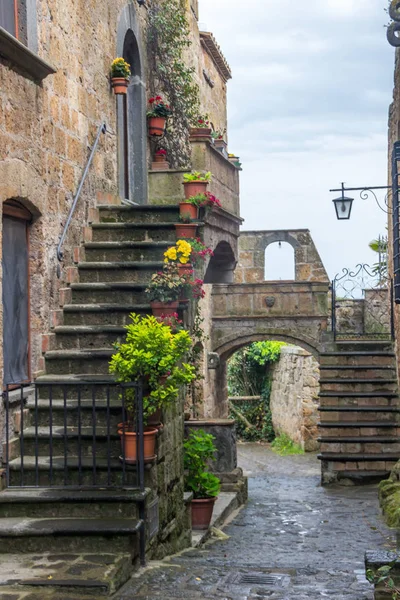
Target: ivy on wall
[{"x": 168, "y": 39}]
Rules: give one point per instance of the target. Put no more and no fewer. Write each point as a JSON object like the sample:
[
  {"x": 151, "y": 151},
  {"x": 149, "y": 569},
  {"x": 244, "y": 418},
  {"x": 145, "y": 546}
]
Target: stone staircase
[
  {"x": 359, "y": 411},
  {"x": 122, "y": 248}
]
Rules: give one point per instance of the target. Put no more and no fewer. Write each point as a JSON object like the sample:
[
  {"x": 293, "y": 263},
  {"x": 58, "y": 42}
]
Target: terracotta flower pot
[
  {"x": 185, "y": 230},
  {"x": 192, "y": 188},
  {"x": 159, "y": 158},
  {"x": 129, "y": 443},
  {"x": 190, "y": 210},
  {"x": 202, "y": 511},
  {"x": 184, "y": 269},
  {"x": 164, "y": 308},
  {"x": 155, "y": 419},
  {"x": 200, "y": 132},
  {"x": 119, "y": 85},
  {"x": 156, "y": 126}
]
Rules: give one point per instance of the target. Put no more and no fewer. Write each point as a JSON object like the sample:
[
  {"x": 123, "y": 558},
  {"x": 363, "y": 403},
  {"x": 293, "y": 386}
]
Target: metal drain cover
[{"x": 271, "y": 580}]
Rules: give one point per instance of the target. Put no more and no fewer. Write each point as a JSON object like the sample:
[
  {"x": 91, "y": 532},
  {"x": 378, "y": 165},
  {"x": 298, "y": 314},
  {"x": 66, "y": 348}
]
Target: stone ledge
[{"x": 20, "y": 56}]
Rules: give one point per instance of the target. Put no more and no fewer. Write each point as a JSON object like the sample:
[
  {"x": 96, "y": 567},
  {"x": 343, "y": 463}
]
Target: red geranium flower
[
  {"x": 152, "y": 100},
  {"x": 158, "y": 98}
]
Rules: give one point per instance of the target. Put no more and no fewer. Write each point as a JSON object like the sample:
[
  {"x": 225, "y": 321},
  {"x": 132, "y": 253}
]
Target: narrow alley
[{"x": 294, "y": 540}]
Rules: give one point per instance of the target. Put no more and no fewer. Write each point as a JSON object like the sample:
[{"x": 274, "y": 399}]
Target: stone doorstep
[
  {"x": 47, "y": 575},
  {"x": 223, "y": 508}
]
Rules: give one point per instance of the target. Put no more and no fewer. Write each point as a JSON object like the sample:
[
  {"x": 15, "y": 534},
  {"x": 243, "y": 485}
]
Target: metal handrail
[{"x": 102, "y": 129}]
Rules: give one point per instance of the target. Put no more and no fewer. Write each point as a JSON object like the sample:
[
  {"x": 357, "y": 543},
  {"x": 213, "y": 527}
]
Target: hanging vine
[{"x": 168, "y": 38}]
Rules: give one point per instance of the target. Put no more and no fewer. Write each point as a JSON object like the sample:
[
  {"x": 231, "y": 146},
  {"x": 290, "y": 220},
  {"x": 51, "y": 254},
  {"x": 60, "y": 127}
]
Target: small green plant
[
  {"x": 199, "y": 449},
  {"x": 383, "y": 576},
  {"x": 197, "y": 200},
  {"x": 166, "y": 285},
  {"x": 153, "y": 353},
  {"x": 197, "y": 176},
  {"x": 120, "y": 68},
  {"x": 218, "y": 134},
  {"x": 284, "y": 446},
  {"x": 185, "y": 218}
]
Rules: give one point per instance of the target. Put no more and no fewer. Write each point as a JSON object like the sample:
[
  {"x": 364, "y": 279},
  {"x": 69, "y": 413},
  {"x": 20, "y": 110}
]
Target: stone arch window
[
  {"x": 222, "y": 265},
  {"x": 16, "y": 293},
  {"x": 18, "y": 17},
  {"x": 279, "y": 262},
  {"x": 131, "y": 113}
]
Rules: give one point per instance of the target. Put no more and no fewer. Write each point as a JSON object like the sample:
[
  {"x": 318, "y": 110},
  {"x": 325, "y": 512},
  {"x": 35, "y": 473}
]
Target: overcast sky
[{"x": 308, "y": 105}]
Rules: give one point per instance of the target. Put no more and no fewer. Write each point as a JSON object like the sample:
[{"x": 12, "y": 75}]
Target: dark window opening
[{"x": 16, "y": 300}]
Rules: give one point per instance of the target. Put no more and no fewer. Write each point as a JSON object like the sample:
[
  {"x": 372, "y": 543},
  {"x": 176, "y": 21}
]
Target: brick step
[
  {"x": 92, "y": 336},
  {"x": 109, "y": 293},
  {"x": 108, "y": 473},
  {"x": 129, "y": 232},
  {"x": 102, "y": 314},
  {"x": 64, "y": 362},
  {"x": 365, "y": 401},
  {"x": 104, "y": 412},
  {"x": 363, "y": 372},
  {"x": 133, "y": 272},
  {"x": 70, "y": 503},
  {"x": 343, "y": 359},
  {"x": 358, "y": 447},
  {"x": 87, "y": 443},
  {"x": 68, "y": 535},
  {"x": 365, "y": 429},
  {"x": 148, "y": 213},
  {"x": 358, "y": 385},
  {"x": 124, "y": 251}
]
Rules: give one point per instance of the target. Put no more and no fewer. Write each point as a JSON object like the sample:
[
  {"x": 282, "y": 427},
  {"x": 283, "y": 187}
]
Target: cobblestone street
[{"x": 299, "y": 540}]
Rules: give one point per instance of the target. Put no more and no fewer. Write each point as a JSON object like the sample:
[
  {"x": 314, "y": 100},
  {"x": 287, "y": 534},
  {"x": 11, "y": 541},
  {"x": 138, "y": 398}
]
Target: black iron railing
[{"x": 73, "y": 435}]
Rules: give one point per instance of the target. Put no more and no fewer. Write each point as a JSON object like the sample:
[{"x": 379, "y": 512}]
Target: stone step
[
  {"x": 86, "y": 337},
  {"x": 362, "y": 429},
  {"x": 382, "y": 394},
  {"x": 363, "y": 372},
  {"x": 355, "y": 401},
  {"x": 102, "y": 314},
  {"x": 359, "y": 413},
  {"x": 357, "y": 359},
  {"x": 69, "y": 535},
  {"x": 133, "y": 272},
  {"x": 129, "y": 232},
  {"x": 167, "y": 213},
  {"x": 124, "y": 251},
  {"x": 61, "y": 576},
  {"x": 348, "y": 439},
  {"x": 73, "y": 384},
  {"x": 64, "y": 362},
  {"x": 109, "y": 293},
  {"x": 102, "y": 415},
  {"x": 364, "y": 457},
  {"x": 358, "y": 447},
  {"x": 78, "y": 473},
  {"x": 364, "y": 345},
  {"x": 376, "y": 386},
  {"x": 36, "y": 503}
]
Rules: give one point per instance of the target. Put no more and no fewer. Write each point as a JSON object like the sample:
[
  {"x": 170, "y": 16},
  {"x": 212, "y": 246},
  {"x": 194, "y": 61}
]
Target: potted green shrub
[
  {"x": 199, "y": 449},
  {"x": 153, "y": 353},
  {"x": 164, "y": 290},
  {"x": 120, "y": 73},
  {"x": 157, "y": 116},
  {"x": 195, "y": 183}
]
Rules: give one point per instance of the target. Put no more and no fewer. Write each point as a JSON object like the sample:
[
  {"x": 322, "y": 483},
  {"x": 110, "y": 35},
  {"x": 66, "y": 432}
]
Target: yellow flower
[
  {"x": 183, "y": 260},
  {"x": 171, "y": 254}
]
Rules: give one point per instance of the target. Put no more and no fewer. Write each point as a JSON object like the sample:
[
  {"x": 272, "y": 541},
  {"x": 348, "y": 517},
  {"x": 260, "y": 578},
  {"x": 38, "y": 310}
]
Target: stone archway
[
  {"x": 131, "y": 112},
  {"x": 222, "y": 265}
]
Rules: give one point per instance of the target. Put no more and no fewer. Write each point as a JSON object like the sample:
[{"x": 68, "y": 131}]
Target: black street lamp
[{"x": 343, "y": 206}]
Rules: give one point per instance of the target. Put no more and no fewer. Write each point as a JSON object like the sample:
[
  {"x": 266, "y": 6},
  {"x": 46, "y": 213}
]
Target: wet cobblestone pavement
[{"x": 294, "y": 540}]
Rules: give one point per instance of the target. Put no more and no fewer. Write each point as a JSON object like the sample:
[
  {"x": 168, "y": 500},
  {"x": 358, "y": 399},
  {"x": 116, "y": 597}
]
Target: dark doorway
[{"x": 16, "y": 321}]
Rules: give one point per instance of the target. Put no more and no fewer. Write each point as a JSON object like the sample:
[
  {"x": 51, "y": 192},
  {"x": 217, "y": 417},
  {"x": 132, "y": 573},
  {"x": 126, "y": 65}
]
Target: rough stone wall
[
  {"x": 252, "y": 246},
  {"x": 294, "y": 397},
  {"x": 369, "y": 315}
]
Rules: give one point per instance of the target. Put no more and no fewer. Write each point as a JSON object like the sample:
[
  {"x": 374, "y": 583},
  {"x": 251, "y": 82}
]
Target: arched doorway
[
  {"x": 15, "y": 293},
  {"x": 222, "y": 265},
  {"x": 131, "y": 112}
]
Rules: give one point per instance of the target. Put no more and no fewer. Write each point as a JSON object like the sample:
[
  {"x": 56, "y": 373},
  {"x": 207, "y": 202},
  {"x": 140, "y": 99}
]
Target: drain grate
[{"x": 261, "y": 579}]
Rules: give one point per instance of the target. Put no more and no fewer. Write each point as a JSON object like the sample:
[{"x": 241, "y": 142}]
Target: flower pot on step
[
  {"x": 188, "y": 210},
  {"x": 129, "y": 443},
  {"x": 164, "y": 308},
  {"x": 119, "y": 85},
  {"x": 202, "y": 511},
  {"x": 185, "y": 230},
  {"x": 184, "y": 269},
  {"x": 156, "y": 126},
  {"x": 200, "y": 132},
  {"x": 192, "y": 188}
]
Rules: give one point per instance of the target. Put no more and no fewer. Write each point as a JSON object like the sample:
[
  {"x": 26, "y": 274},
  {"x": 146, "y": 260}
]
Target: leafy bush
[
  {"x": 200, "y": 448},
  {"x": 197, "y": 176},
  {"x": 284, "y": 446}
]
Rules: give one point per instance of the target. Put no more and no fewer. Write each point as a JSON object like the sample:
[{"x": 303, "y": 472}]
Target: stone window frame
[{"x": 23, "y": 57}]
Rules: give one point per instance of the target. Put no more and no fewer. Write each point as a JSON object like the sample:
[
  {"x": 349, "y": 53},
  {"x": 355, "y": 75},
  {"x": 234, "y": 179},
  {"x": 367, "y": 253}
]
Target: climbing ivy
[{"x": 168, "y": 39}]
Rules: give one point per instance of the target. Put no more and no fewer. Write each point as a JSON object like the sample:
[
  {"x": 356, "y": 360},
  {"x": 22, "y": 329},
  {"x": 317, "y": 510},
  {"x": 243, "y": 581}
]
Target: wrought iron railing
[
  {"x": 72, "y": 436},
  {"x": 362, "y": 304}
]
